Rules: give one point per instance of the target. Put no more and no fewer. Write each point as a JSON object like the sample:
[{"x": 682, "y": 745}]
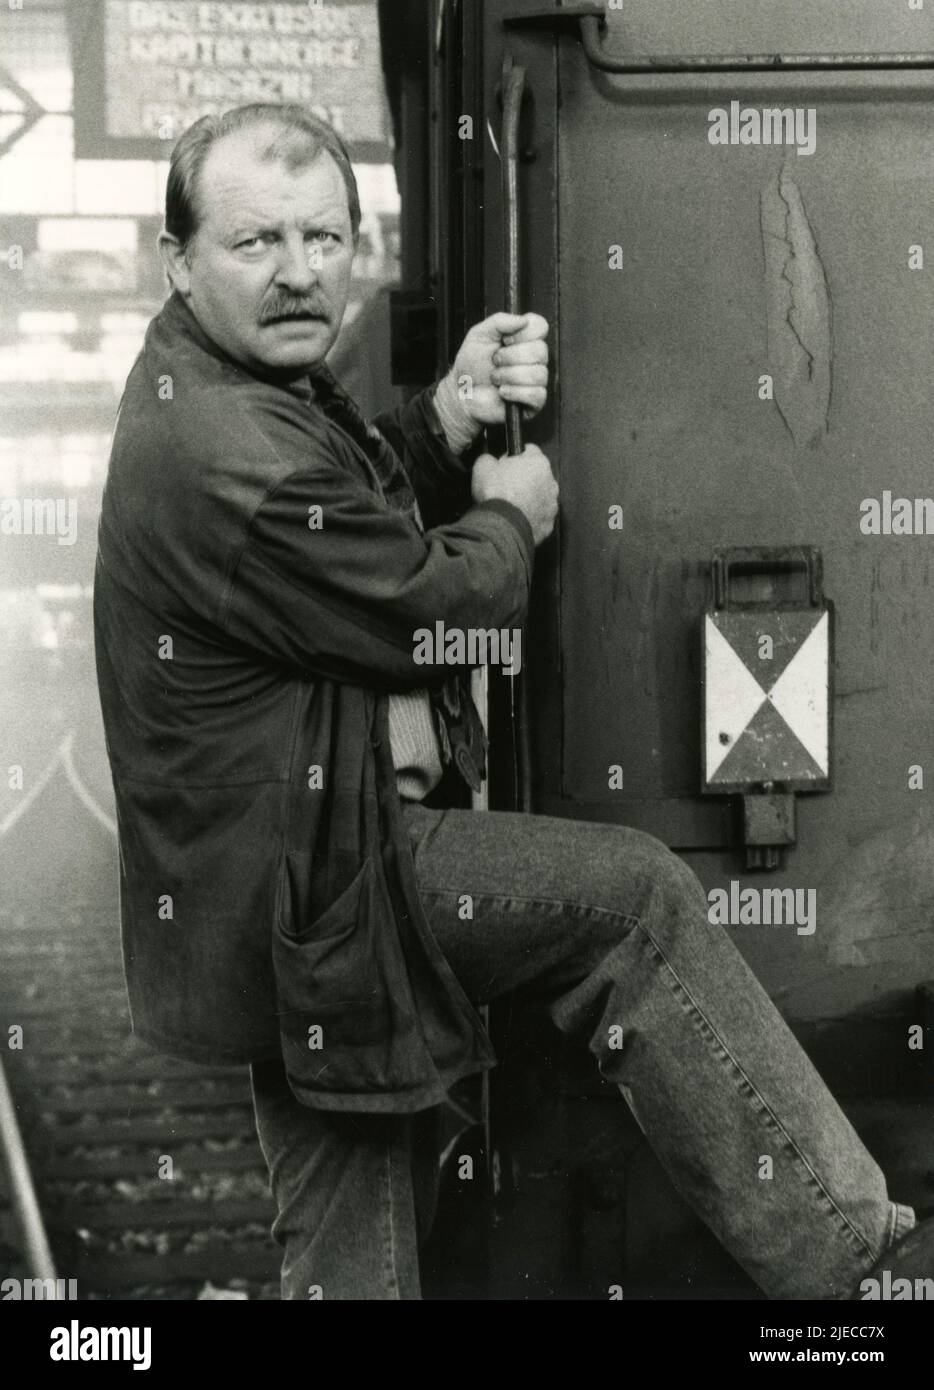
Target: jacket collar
[{"x": 177, "y": 317}]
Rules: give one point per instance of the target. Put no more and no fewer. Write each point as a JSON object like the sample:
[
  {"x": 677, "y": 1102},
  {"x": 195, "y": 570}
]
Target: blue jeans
[{"x": 610, "y": 929}]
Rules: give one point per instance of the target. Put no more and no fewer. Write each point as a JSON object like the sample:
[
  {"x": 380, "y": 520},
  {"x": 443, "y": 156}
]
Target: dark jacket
[{"x": 244, "y": 657}]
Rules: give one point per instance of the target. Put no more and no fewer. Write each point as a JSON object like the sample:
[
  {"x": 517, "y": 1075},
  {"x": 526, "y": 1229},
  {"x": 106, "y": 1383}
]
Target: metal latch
[
  {"x": 768, "y": 674},
  {"x": 550, "y": 18}
]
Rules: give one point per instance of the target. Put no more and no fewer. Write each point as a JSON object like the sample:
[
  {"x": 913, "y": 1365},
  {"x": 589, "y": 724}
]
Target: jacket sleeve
[
  {"x": 344, "y": 598},
  {"x": 440, "y": 478}
]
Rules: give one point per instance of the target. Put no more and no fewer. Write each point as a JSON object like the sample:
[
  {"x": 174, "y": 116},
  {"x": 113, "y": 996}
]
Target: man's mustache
[{"x": 290, "y": 307}]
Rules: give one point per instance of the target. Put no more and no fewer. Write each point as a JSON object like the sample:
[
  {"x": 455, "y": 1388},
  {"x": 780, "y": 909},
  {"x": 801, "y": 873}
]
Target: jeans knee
[
  {"x": 637, "y": 877},
  {"x": 677, "y": 896}
]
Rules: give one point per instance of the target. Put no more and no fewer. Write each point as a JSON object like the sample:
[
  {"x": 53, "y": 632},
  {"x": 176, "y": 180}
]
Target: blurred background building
[{"x": 93, "y": 94}]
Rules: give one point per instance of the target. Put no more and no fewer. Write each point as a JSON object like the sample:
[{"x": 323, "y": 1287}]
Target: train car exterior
[{"x": 730, "y": 644}]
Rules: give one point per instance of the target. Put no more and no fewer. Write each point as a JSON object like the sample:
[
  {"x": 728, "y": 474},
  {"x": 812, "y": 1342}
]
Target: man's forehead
[{"x": 236, "y": 181}]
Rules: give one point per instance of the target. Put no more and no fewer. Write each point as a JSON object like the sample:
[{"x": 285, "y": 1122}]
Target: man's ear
[{"x": 175, "y": 261}]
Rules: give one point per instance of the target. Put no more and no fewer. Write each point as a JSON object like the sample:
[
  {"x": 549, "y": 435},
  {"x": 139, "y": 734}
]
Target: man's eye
[
  {"x": 324, "y": 236},
  {"x": 249, "y": 242}
]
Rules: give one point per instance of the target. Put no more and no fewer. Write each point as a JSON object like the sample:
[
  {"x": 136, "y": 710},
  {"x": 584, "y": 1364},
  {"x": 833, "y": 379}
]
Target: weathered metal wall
[{"x": 738, "y": 261}]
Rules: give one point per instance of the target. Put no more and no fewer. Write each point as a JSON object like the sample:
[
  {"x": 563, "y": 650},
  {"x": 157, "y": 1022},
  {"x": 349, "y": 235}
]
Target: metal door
[{"x": 679, "y": 275}]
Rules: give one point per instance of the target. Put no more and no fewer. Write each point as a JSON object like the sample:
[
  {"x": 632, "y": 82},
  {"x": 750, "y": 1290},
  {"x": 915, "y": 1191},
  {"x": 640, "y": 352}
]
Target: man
[{"x": 288, "y": 898}]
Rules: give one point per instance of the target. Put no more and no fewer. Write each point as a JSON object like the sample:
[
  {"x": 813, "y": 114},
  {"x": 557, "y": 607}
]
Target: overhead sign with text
[{"x": 145, "y": 69}]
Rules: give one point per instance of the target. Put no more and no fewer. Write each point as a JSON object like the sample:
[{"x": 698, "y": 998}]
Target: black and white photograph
[{"x": 467, "y": 695}]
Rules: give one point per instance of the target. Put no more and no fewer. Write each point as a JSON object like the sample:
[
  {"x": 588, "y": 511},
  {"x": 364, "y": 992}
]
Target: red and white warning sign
[{"x": 766, "y": 698}]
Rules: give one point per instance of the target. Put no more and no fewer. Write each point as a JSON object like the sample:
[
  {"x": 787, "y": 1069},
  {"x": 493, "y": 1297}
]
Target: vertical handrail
[{"x": 513, "y": 92}]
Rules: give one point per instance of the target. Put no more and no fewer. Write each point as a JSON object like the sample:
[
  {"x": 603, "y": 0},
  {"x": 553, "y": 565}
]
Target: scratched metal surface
[{"x": 740, "y": 261}]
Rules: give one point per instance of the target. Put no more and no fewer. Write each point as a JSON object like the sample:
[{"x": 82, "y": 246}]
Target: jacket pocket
[
  {"x": 294, "y": 913},
  {"x": 331, "y": 997}
]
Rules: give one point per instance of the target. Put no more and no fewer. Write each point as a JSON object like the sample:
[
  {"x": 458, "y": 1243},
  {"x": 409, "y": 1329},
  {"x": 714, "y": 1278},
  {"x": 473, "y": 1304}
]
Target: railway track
[{"x": 148, "y": 1172}]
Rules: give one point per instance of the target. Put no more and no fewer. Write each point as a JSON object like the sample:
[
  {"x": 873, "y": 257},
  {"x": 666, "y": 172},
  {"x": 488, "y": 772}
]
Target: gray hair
[{"x": 301, "y": 138}]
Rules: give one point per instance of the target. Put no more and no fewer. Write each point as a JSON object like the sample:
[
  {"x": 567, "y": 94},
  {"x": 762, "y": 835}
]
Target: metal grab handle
[
  {"x": 805, "y": 559},
  {"x": 513, "y": 91},
  {"x": 500, "y": 1163},
  {"x": 593, "y": 28}
]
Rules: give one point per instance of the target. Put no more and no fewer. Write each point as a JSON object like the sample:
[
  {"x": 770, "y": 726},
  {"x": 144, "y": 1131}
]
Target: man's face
[{"x": 268, "y": 271}]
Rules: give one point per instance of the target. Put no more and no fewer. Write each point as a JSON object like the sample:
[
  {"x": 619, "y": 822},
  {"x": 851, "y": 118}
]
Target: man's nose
[{"x": 297, "y": 267}]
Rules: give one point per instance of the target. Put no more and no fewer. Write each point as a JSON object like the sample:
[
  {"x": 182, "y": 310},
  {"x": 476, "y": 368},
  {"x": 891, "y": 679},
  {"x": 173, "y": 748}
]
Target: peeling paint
[{"x": 798, "y": 313}]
